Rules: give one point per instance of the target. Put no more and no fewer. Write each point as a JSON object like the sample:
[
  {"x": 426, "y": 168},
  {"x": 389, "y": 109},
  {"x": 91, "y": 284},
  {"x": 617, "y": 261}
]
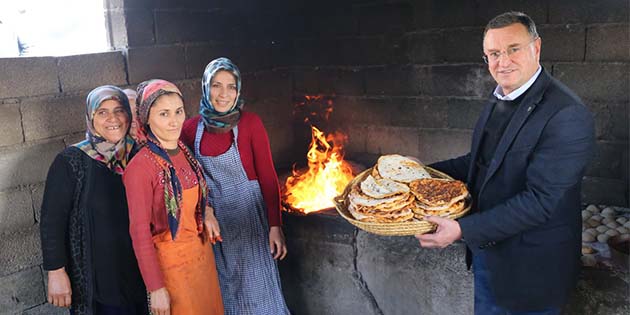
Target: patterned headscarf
[
  {"x": 214, "y": 121},
  {"x": 114, "y": 155},
  {"x": 148, "y": 92}
]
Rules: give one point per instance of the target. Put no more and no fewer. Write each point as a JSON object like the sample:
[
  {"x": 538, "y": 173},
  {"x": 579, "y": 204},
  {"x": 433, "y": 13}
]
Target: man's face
[{"x": 518, "y": 56}]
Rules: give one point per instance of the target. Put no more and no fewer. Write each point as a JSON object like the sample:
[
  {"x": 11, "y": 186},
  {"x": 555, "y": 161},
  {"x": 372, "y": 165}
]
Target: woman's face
[
  {"x": 166, "y": 118},
  {"x": 111, "y": 121},
  {"x": 223, "y": 91}
]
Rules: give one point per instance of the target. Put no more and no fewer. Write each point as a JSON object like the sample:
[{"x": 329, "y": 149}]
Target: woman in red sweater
[
  {"x": 233, "y": 148},
  {"x": 167, "y": 197}
]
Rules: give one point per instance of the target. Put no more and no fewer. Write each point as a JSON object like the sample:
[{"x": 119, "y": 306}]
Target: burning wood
[{"x": 327, "y": 175}]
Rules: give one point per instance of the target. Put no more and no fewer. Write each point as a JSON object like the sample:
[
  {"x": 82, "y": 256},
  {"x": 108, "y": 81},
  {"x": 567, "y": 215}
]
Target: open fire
[{"x": 313, "y": 189}]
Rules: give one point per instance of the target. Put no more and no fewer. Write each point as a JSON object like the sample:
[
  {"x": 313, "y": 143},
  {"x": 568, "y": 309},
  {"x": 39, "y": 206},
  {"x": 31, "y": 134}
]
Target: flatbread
[
  {"x": 356, "y": 197},
  {"x": 382, "y": 188},
  {"x": 401, "y": 215},
  {"x": 438, "y": 194},
  {"x": 401, "y": 169},
  {"x": 455, "y": 208}
]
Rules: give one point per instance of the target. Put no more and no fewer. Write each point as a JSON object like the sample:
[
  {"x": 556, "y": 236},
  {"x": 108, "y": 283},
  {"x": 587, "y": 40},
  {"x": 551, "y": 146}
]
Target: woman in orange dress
[{"x": 170, "y": 222}]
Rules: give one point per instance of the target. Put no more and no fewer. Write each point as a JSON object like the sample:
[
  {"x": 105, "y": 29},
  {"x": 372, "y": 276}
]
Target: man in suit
[{"x": 529, "y": 150}]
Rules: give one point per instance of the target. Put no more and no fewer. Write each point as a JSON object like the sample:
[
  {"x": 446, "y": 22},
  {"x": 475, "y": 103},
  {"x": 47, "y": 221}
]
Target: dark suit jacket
[{"x": 529, "y": 221}]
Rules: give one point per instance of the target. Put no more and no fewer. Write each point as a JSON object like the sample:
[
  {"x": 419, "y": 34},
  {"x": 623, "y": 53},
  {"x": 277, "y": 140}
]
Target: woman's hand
[
  {"x": 212, "y": 225},
  {"x": 160, "y": 302},
  {"x": 277, "y": 243},
  {"x": 59, "y": 290}
]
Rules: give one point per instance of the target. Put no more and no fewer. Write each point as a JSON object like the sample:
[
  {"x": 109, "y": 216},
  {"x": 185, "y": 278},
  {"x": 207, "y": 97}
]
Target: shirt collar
[{"x": 518, "y": 92}]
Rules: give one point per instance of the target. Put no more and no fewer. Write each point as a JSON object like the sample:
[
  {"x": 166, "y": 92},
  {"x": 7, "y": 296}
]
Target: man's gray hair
[{"x": 509, "y": 18}]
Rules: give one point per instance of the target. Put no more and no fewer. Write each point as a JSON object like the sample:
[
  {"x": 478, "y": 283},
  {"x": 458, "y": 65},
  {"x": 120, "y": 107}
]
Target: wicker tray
[{"x": 391, "y": 229}]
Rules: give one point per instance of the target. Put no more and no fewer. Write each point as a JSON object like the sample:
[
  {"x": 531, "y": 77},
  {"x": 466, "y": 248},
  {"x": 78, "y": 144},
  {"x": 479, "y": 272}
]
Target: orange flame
[{"x": 326, "y": 177}]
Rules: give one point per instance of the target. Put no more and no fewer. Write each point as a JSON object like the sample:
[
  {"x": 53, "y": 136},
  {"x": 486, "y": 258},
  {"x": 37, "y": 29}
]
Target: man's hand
[
  {"x": 59, "y": 290},
  {"x": 212, "y": 226},
  {"x": 277, "y": 243},
  {"x": 160, "y": 302},
  {"x": 447, "y": 232}
]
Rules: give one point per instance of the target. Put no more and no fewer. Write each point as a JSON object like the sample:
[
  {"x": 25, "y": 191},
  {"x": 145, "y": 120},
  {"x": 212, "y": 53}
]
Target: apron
[
  {"x": 188, "y": 265},
  {"x": 248, "y": 274}
]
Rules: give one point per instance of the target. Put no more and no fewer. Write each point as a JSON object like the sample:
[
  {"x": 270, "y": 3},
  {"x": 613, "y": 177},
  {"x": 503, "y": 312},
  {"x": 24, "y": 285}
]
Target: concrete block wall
[
  {"x": 407, "y": 76},
  {"x": 404, "y": 76},
  {"x": 43, "y": 110}
]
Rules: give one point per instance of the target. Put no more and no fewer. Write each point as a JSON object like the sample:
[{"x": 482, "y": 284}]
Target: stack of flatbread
[
  {"x": 399, "y": 189},
  {"x": 439, "y": 197}
]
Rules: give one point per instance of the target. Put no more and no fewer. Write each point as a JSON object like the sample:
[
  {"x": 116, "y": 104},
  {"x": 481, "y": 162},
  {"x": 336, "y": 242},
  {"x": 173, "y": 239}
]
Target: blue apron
[{"x": 248, "y": 274}]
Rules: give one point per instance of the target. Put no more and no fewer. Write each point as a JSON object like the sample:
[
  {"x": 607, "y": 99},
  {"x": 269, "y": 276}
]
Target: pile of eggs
[{"x": 601, "y": 223}]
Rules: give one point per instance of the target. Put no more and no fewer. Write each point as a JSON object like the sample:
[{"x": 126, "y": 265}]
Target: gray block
[
  {"x": 383, "y": 18},
  {"x": 319, "y": 267},
  {"x": 619, "y": 121},
  {"x": 315, "y": 52},
  {"x": 599, "y": 190},
  {"x": 37, "y": 196},
  {"x": 423, "y": 112},
  {"x": 191, "y": 4},
  {"x": 407, "y": 279},
  {"x": 28, "y": 76},
  {"x": 163, "y": 62},
  {"x": 325, "y": 227},
  {"x": 463, "y": 113},
  {"x": 117, "y": 29},
  {"x": 27, "y": 164},
  {"x": 361, "y": 111},
  {"x": 281, "y": 143},
  {"x": 562, "y": 42},
  {"x": 444, "y": 13},
  {"x": 453, "y": 80},
  {"x": 488, "y": 9},
  {"x": 609, "y": 160},
  {"x": 16, "y": 210},
  {"x": 139, "y": 27},
  {"x": 596, "y": 81},
  {"x": 11, "y": 131},
  {"x": 611, "y": 119},
  {"x": 73, "y": 138},
  {"x": 329, "y": 81},
  {"x": 191, "y": 89},
  {"x": 21, "y": 290},
  {"x": 317, "y": 273},
  {"x": 392, "y": 80},
  {"x": 393, "y": 140},
  {"x": 357, "y": 140},
  {"x": 336, "y": 21},
  {"x": 599, "y": 292},
  {"x": 85, "y": 72},
  {"x": 46, "y": 309},
  {"x": 199, "y": 55},
  {"x": 446, "y": 45},
  {"x": 608, "y": 42},
  {"x": 119, "y": 4},
  {"x": 268, "y": 85},
  {"x": 46, "y": 117},
  {"x": 272, "y": 111},
  {"x": 181, "y": 26},
  {"x": 587, "y": 12},
  {"x": 20, "y": 250},
  {"x": 440, "y": 144}
]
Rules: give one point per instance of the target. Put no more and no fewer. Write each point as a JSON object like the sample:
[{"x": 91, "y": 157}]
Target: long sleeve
[
  {"x": 56, "y": 206},
  {"x": 456, "y": 167},
  {"x": 265, "y": 171},
  {"x": 555, "y": 169},
  {"x": 139, "y": 189}
]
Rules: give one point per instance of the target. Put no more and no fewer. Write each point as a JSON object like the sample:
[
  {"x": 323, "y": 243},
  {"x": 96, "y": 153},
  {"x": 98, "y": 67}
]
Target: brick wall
[{"x": 405, "y": 77}]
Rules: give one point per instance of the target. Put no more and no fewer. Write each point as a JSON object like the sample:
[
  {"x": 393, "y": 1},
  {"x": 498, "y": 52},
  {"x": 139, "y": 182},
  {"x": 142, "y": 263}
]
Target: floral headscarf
[
  {"x": 214, "y": 121},
  {"x": 148, "y": 92},
  {"x": 114, "y": 155}
]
